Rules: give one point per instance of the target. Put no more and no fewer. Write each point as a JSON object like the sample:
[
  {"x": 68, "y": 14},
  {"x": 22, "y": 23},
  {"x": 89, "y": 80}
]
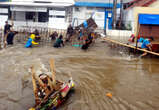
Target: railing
[{"x": 24, "y": 33}]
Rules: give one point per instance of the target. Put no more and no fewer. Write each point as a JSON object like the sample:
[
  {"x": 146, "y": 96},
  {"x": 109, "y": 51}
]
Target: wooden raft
[{"x": 130, "y": 46}]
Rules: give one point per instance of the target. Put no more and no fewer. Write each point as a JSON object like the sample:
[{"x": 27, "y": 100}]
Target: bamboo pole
[
  {"x": 52, "y": 67},
  {"x": 130, "y": 46},
  {"x": 35, "y": 90}
]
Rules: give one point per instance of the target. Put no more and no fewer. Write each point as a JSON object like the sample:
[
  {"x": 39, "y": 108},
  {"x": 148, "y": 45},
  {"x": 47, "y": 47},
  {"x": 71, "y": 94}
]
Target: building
[
  {"x": 37, "y": 13},
  {"x": 101, "y": 10},
  {"x": 146, "y": 22},
  {"x": 129, "y": 5}
]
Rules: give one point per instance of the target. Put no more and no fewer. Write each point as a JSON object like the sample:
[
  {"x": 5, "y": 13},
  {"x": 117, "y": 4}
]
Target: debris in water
[
  {"x": 109, "y": 95},
  {"x": 49, "y": 92}
]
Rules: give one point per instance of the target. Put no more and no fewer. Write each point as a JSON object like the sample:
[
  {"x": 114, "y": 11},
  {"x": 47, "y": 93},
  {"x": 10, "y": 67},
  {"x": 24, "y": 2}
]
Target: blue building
[{"x": 101, "y": 10}]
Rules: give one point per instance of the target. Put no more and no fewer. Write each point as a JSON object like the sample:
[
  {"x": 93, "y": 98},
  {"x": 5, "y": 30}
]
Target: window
[
  {"x": 43, "y": 17},
  {"x": 30, "y": 16},
  {"x": 58, "y": 16},
  {"x": 90, "y": 8},
  {"x": 77, "y": 9}
]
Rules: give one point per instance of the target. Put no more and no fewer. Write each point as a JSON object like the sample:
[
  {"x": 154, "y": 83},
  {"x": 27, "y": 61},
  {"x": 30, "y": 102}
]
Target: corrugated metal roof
[{"x": 143, "y": 3}]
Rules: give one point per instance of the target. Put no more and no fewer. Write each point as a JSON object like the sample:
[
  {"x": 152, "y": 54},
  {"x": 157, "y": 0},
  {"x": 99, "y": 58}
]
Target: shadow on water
[{"x": 133, "y": 82}]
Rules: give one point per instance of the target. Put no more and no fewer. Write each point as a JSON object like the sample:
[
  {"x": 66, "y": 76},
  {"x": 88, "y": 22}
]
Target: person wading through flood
[
  {"x": 59, "y": 42},
  {"x": 10, "y": 37},
  {"x": 147, "y": 45},
  {"x": 87, "y": 42},
  {"x": 54, "y": 35},
  {"x": 69, "y": 33}
]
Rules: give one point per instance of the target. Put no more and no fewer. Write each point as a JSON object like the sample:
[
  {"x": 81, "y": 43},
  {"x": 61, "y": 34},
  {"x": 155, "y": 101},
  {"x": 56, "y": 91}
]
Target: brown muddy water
[{"x": 133, "y": 82}]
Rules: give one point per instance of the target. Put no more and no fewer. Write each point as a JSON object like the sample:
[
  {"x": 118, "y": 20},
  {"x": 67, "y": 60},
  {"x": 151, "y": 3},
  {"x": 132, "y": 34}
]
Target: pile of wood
[{"x": 91, "y": 24}]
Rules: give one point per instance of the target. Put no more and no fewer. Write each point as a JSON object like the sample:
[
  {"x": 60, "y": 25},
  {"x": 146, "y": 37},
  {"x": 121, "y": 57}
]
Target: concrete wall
[
  {"x": 144, "y": 10},
  {"x": 20, "y": 16},
  {"x": 155, "y": 4},
  {"x": 128, "y": 18},
  {"x": 3, "y": 16},
  {"x": 120, "y": 35},
  {"x": 85, "y": 13}
]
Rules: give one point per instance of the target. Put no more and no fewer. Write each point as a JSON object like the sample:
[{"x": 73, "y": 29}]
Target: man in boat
[{"x": 146, "y": 44}]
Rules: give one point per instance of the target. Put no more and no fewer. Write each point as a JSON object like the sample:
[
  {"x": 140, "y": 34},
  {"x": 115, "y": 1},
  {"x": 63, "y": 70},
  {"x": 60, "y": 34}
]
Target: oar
[{"x": 52, "y": 67}]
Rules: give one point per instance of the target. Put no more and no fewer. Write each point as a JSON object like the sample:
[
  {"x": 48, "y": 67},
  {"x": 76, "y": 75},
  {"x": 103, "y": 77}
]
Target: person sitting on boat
[
  {"x": 59, "y": 42},
  {"x": 147, "y": 45},
  {"x": 31, "y": 41}
]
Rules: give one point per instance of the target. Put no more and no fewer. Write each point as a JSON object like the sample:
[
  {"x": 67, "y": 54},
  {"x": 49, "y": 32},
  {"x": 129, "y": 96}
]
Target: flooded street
[{"x": 134, "y": 83}]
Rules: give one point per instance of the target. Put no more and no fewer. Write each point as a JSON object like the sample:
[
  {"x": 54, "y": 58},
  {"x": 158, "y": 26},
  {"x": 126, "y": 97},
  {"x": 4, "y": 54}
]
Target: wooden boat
[{"x": 49, "y": 93}]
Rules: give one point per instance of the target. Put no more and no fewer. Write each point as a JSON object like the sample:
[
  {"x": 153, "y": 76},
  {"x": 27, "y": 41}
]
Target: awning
[{"x": 149, "y": 19}]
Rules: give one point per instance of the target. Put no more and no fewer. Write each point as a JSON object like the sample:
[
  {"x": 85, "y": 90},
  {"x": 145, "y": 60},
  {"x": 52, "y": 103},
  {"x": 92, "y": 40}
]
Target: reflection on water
[{"x": 133, "y": 82}]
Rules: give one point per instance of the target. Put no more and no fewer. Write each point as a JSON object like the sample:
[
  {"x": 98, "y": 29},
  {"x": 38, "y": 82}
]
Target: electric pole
[
  {"x": 121, "y": 13},
  {"x": 114, "y": 13}
]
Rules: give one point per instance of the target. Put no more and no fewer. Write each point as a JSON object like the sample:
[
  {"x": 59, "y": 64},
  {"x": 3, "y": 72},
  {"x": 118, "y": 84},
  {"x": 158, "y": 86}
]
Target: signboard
[
  {"x": 55, "y": 13},
  {"x": 28, "y": 9}
]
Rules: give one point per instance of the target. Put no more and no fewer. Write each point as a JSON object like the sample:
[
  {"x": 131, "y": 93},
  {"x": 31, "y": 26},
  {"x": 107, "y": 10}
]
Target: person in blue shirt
[
  {"x": 141, "y": 39},
  {"x": 31, "y": 41},
  {"x": 146, "y": 44}
]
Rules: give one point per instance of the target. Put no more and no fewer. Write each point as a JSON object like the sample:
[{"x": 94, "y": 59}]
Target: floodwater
[{"x": 133, "y": 82}]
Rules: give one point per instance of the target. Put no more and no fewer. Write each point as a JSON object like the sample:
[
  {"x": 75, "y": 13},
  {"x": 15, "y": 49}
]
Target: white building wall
[
  {"x": 84, "y": 13},
  {"x": 128, "y": 18},
  {"x": 3, "y": 17},
  {"x": 20, "y": 16},
  {"x": 56, "y": 22}
]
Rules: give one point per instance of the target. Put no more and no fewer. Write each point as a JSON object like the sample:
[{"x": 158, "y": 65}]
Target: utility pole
[
  {"x": 121, "y": 12},
  {"x": 114, "y": 13}
]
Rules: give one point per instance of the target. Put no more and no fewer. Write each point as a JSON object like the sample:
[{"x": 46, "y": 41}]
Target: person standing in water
[
  {"x": 7, "y": 27},
  {"x": 10, "y": 37}
]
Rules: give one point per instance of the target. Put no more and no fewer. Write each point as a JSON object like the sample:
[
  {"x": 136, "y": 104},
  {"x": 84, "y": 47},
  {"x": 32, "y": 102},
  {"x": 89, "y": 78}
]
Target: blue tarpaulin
[
  {"x": 96, "y": 4},
  {"x": 4, "y": 0},
  {"x": 85, "y": 24},
  {"x": 149, "y": 19}
]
